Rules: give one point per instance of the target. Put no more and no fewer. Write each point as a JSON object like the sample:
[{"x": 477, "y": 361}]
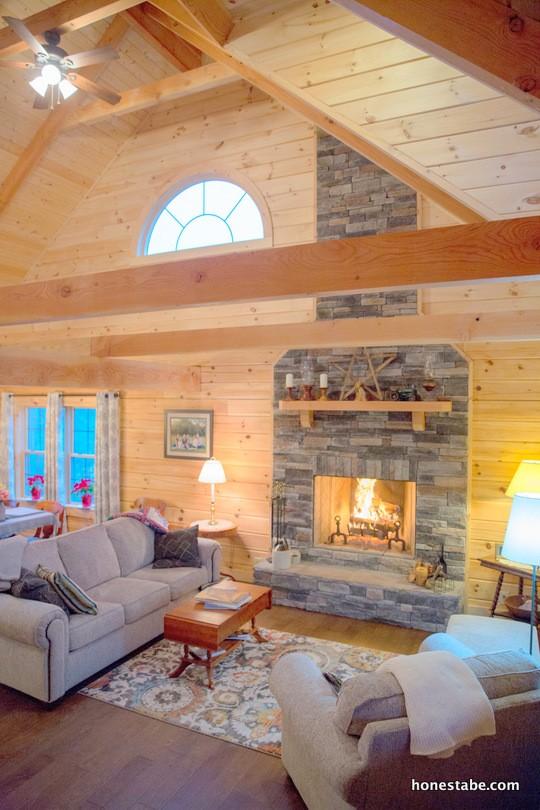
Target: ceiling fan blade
[
  {"x": 19, "y": 65},
  {"x": 84, "y": 58},
  {"x": 93, "y": 89},
  {"x": 23, "y": 33}
]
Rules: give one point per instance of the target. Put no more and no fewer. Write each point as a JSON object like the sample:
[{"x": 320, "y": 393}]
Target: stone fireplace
[{"x": 399, "y": 494}]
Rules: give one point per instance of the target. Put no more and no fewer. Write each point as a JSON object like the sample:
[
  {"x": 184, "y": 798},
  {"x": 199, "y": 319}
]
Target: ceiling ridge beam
[
  {"x": 398, "y": 165},
  {"x": 500, "y": 249},
  {"x": 197, "y": 80},
  {"x": 54, "y": 122},
  {"x": 181, "y": 55},
  {"x": 486, "y": 39}
]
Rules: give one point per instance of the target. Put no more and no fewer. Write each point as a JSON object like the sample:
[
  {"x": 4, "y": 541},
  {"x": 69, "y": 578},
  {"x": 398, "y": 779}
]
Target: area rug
[{"x": 240, "y": 709}]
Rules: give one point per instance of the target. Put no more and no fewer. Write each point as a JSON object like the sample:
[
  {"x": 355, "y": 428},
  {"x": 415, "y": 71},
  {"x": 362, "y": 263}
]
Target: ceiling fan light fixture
[
  {"x": 67, "y": 88},
  {"x": 40, "y": 85},
  {"x": 51, "y": 74}
]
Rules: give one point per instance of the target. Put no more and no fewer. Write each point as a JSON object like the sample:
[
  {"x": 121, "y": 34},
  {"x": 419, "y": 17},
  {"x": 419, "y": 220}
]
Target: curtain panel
[
  {"x": 107, "y": 484},
  {"x": 54, "y": 448},
  {"x": 7, "y": 457}
]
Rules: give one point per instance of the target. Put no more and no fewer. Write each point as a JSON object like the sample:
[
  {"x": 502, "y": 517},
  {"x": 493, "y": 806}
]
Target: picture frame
[{"x": 188, "y": 434}]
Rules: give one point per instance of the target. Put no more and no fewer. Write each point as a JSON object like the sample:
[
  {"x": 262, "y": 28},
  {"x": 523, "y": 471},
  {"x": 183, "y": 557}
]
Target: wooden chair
[
  {"x": 145, "y": 503},
  {"x": 51, "y": 530}
]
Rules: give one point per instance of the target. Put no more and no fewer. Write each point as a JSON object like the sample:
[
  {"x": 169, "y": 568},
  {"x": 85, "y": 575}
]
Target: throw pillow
[
  {"x": 30, "y": 586},
  {"x": 178, "y": 549},
  {"x": 334, "y": 680},
  {"x": 73, "y": 597}
]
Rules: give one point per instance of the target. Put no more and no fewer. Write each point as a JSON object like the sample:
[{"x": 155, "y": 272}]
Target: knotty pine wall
[
  {"x": 237, "y": 133},
  {"x": 505, "y": 430}
]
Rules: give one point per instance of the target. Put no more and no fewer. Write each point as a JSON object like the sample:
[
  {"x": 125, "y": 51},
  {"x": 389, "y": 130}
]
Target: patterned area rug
[{"x": 240, "y": 709}]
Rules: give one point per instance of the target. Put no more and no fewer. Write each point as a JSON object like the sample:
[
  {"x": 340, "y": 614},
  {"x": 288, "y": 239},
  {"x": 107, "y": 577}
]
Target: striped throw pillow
[{"x": 76, "y": 600}]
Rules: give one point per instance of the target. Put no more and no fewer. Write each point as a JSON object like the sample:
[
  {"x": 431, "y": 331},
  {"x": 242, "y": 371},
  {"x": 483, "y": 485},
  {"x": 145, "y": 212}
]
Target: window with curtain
[
  {"x": 211, "y": 212},
  {"x": 80, "y": 448},
  {"x": 33, "y": 455}
]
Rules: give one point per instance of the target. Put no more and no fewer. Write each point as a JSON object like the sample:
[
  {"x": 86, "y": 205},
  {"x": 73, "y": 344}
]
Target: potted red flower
[
  {"x": 84, "y": 487},
  {"x": 35, "y": 482}
]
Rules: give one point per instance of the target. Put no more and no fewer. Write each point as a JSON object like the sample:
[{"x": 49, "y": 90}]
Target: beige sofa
[
  {"x": 334, "y": 770},
  {"x": 44, "y": 653}
]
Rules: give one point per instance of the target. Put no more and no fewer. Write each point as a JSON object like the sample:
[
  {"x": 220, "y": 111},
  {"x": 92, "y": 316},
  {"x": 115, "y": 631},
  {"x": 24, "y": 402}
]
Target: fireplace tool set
[{"x": 279, "y": 541}]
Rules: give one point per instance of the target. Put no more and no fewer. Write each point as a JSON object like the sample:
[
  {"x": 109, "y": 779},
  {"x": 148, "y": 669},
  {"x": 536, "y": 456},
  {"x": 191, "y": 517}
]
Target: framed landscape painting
[{"x": 189, "y": 434}]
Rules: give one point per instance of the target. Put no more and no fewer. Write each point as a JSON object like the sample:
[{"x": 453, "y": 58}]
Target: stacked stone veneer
[
  {"x": 357, "y": 198},
  {"x": 380, "y": 445}
]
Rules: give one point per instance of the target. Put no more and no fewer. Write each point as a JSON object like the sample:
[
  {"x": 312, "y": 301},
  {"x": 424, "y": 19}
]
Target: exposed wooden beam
[
  {"x": 54, "y": 122},
  {"x": 198, "y": 80},
  {"x": 95, "y": 374},
  {"x": 293, "y": 98},
  {"x": 486, "y": 39},
  {"x": 398, "y": 331},
  {"x": 180, "y": 54},
  {"x": 209, "y": 17},
  {"x": 440, "y": 256},
  {"x": 67, "y": 16}
]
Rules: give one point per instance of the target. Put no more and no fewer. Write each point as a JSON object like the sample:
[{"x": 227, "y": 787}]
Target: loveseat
[
  {"x": 371, "y": 769},
  {"x": 44, "y": 653}
]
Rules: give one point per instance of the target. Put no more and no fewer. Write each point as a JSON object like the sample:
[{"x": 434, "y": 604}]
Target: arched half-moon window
[{"x": 210, "y": 212}]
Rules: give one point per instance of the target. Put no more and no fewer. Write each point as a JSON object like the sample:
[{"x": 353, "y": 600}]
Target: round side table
[
  {"x": 221, "y": 528},
  {"x": 213, "y": 531}
]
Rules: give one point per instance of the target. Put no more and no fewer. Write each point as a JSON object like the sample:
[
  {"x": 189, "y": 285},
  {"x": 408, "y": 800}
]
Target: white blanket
[{"x": 446, "y": 705}]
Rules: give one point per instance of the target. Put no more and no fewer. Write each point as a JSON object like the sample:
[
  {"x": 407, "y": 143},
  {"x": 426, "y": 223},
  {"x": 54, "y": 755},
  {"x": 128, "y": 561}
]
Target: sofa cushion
[
  {"x": 373, "y": 696},
  {"x": 43, "y": 552},
  {"x": 11, "y": 557},
  {"x": 89, "y": 556},
  {"x": 505, "y": 673},
  {"x": 179, "y": 549},
  {"x": 84, "y": 629},
  {"x": 132, "y": 541},
  {"x": 138, "y": 598},
  {"x": 181, "y": 581}
]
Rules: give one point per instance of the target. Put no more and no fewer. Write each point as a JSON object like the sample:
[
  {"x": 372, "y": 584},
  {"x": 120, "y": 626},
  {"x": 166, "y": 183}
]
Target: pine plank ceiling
[{"x": 463, "y": 136}]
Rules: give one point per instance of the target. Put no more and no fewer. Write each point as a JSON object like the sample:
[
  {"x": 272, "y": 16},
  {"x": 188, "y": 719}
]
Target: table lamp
[
  {"x": 212, "y": 473},
  {"x": 526, "y": 479},
  {"x": 522, "y": 542}
]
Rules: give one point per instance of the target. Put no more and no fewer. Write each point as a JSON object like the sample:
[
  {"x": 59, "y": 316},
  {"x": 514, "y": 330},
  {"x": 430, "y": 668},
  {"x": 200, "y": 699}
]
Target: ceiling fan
[{"x": 53, "y": 69}]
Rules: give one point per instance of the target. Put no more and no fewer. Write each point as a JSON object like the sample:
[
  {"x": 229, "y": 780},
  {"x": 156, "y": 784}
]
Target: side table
[{"x": 221, "y": 528}]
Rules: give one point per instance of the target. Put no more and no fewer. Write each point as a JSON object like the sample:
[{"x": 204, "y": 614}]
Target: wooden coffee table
[{"x": 194, "y": 625}]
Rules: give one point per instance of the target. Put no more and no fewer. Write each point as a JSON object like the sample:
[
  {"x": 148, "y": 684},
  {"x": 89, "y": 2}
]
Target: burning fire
[{"x": 367, "y": 506}]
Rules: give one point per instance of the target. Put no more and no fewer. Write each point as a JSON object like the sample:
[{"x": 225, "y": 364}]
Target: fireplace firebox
[{"x": 364, "y": 514}]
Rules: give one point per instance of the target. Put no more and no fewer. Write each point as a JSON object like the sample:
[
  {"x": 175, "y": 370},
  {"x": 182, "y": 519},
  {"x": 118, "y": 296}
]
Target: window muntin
[{"x": 211, "y": 212}]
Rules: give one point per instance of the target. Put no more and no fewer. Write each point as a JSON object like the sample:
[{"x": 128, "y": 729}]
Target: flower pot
[
  {"x": 35, "y": 492},
  {"x": 86, "y": 500}
]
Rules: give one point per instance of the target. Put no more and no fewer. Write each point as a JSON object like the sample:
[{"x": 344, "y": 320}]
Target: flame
[{"x": 367, "y": 505}]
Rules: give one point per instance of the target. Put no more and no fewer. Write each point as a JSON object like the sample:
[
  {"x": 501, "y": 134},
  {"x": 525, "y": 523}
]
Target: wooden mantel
[{"x": 418, "y": 410}]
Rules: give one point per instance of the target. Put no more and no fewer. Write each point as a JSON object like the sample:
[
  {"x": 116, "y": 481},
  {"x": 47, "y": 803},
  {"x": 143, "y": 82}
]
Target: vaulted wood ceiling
[{"x": 462, "y": 142}]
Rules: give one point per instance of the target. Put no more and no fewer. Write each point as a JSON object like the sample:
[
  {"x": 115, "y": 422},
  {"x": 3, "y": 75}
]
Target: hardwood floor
[{"x": 85, "y": 755}]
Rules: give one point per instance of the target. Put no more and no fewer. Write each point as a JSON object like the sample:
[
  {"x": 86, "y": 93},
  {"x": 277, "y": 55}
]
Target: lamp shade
[
  {"x": 522, "y": 538},
  {"x": 212, "y": 472},
  {"x": 526, "y": 479}
]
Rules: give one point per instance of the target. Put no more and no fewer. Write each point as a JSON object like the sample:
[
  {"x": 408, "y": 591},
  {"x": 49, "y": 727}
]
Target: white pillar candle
[
  {"x": 289, "y": 381},
  {"x": 323, "y": 382}
]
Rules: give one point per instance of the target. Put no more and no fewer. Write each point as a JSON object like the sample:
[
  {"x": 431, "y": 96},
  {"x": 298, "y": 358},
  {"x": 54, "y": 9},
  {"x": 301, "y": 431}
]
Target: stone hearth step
[{"x": 360, "y": 593}]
